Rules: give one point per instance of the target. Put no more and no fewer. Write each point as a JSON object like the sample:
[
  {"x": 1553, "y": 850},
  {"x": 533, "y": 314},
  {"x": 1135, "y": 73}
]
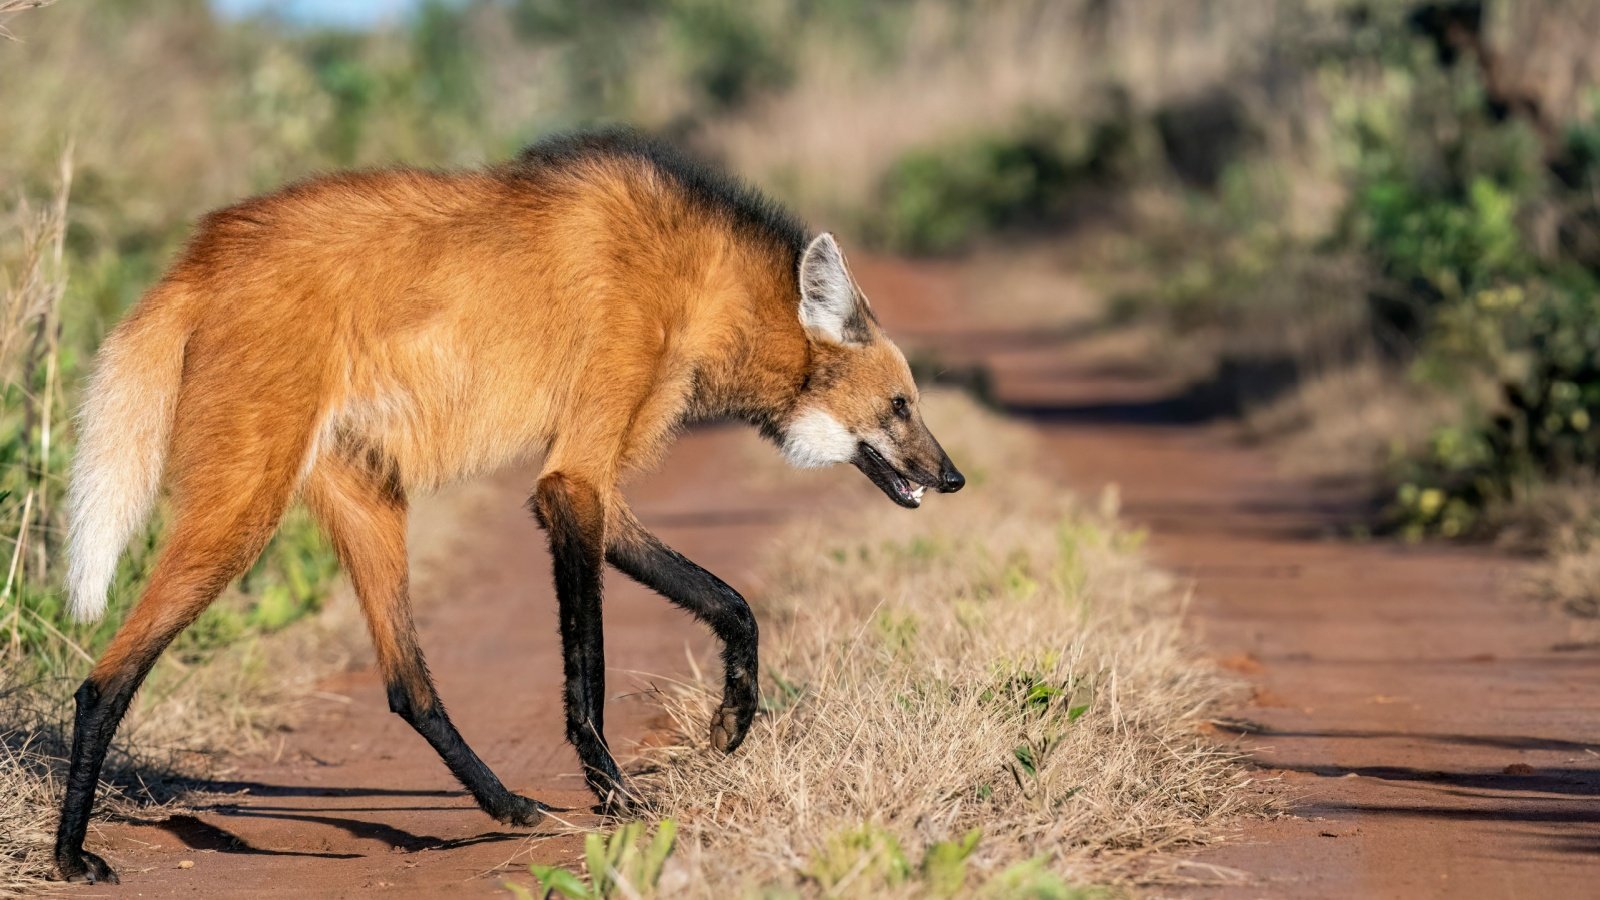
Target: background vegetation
[
  {"x": 1393, "y": 268},
  {"x": 1373, "y": 226},
  {"x": 125, "y": 122}
]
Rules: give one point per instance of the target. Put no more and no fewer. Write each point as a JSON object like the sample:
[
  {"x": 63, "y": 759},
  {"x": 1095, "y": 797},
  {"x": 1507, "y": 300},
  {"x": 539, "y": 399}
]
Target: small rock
[
  {"x": 186, "y": 864},
  {"x": 1518, "y": 769}
]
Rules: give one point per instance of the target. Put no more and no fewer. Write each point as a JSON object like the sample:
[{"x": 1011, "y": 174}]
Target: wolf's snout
[{"x": 951, "y": 479}]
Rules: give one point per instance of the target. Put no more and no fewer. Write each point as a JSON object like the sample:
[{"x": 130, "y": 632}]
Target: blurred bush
[
  {"x": 941, "y": 198},
  {"x": 1461, "y": 254},
  {"x": 732, "y": 55},
  {"x": 1447, "y": 198}
]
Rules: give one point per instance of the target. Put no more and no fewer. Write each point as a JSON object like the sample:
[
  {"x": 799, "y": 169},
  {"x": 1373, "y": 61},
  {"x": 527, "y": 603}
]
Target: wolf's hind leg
[
  {"x": 220, "y": 527},
  {"x": 364, "y": 513}
]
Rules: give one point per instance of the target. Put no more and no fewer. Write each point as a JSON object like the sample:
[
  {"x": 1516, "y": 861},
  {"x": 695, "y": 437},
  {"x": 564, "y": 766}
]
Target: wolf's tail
[{"x": 124, "y": 427}]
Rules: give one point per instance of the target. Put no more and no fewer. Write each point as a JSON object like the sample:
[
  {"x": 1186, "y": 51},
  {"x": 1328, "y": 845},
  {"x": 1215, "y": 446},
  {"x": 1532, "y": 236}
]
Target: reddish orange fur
[
  {"x": 363, "y": 511},
  {"x": 362, "y": 335},
  {"x": 357, "y": 338}
]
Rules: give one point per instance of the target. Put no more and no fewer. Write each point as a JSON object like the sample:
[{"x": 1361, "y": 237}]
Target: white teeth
[{"x": 916, "y": 492}]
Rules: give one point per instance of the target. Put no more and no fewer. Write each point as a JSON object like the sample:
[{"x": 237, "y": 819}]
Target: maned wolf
[{"x": 354, "y": 339}]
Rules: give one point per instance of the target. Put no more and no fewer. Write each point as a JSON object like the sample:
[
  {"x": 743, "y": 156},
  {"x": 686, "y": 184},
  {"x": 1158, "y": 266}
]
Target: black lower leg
[
  {"x": 642, "y": 557},
  {"x": 99, "y": 710},
  {"x": 430, "y": 720},
  {"x": 575, "y": 547},
  {"x": 583, "y": 651}
]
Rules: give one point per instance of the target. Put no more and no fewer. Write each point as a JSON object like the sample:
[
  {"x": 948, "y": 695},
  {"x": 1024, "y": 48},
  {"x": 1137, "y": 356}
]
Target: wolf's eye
[{"x": 900, "y": 407}]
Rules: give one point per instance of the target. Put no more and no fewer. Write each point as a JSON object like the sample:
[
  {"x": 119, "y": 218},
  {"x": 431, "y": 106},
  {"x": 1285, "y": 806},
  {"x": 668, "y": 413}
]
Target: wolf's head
[{"x": 860, "y": 404}]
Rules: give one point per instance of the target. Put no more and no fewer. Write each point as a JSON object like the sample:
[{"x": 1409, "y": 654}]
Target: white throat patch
[{"x": 816, "y": 439}]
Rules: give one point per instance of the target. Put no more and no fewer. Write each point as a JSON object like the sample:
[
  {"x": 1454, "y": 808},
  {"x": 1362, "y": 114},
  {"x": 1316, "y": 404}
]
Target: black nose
[{"x": 953, "y": 480}]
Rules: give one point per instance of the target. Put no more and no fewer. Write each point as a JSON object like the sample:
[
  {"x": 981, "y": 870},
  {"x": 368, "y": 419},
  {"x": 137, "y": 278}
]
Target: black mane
[{"x": 744, "y": 206}]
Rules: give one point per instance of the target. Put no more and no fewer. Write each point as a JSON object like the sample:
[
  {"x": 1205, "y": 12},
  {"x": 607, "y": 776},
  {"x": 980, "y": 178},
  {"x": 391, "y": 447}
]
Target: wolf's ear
[{"x": 831, "y": 308}]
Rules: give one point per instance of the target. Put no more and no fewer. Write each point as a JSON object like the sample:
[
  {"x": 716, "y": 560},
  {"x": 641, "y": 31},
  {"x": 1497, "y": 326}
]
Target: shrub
[
  {"x": 941, "y": 198},
  {"x": 1540, "y": 342},
  {"x": 731, "y": 55},
  {"x": 1442, "y": 211}
]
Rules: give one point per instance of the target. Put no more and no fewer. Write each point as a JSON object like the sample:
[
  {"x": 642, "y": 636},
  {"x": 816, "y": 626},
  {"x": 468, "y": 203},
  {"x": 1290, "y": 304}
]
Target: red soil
[{"x": 1431, "y": 732}]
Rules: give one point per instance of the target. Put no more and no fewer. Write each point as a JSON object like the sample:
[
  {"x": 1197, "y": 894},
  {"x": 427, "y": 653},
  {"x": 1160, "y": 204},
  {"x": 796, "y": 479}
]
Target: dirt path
[
  {"x": 1433, "y": 732},
  {"x": 1436, "y": 734}
]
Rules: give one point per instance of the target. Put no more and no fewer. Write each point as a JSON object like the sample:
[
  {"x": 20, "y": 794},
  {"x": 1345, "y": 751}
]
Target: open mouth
[{"x": 898, "y": 487}]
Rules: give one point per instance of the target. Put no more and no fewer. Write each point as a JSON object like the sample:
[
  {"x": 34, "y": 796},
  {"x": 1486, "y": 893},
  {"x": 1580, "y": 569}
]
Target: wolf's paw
[
  {"x": 85, "y": 867},
  {"x": 520, "y": 811},
  {"x": 728, "y": 728}
]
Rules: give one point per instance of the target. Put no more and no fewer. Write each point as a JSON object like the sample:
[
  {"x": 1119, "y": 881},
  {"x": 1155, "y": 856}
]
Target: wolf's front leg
[
  {"x": 644, "y": 558},
  {"x": 571, "y": 510}
]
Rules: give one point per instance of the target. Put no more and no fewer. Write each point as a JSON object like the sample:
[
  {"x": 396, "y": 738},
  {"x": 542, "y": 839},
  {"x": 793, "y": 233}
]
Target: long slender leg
[
  {"x": 364, "y": 513},
  {"x": 570, "y": 509},
  {"x": 207, "y": 550},
  {"x": 644, "y": 558}
]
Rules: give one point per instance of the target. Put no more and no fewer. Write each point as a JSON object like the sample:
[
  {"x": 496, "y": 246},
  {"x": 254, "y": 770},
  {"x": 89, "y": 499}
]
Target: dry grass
[
  {"x": 32, "y": 282},
  {"x": 9, "y": 8},
  {"x": 1560, "y": 523},
  {"x": 30, "y": 294},
  {"x": 1009, "y": 666},
  {"x": 1570, "y": 578}
]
